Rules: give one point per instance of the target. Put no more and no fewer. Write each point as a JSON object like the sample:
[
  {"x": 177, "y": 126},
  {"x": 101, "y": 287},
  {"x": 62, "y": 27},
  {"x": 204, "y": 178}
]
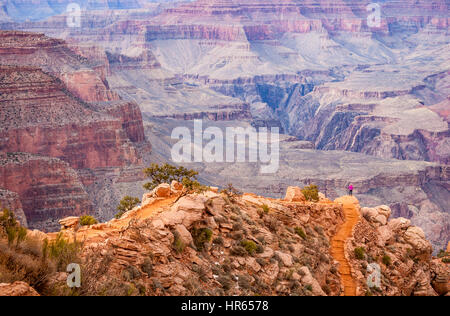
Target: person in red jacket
[{"x": 350, "y": 189}]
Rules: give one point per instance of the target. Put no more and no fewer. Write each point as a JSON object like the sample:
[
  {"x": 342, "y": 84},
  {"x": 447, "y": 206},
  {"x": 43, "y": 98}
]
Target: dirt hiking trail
[{"x": 338, "y": 243}]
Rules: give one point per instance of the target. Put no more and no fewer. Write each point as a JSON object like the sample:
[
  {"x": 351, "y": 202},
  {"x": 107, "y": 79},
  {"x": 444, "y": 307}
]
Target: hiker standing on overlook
[{"x": 350, "y": 190}]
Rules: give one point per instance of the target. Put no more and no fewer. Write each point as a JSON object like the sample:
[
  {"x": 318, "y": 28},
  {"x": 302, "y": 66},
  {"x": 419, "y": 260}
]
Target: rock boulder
[
  {"x": 294, "y": 194},
  {"x": 17, "y": 288}
]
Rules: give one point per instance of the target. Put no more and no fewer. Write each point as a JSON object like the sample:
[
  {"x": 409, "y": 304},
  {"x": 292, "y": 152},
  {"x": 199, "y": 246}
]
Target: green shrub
[
  {"x": 311, "y": 193},
  {"x": 126, "y": 204},
  {"x": 387, "y": 260},
  {"x": 167, "y": 173},
  {"x": 309, "y": 287},
  {"x": 201, "y": 236},
  {"x": 87, "y": 220},
  {"x": 359, "y": 253},
  {"x": 21, "y": 234},
  {"x": 265, "y": 208},
  {"x": 62, "y": 251},
  {"x": 193, "y": 186},
  {"x": 445, "y": 260},
  {"x": 442, "y": 253},
  {"x": 299, "y": 231},
  {"x": 11, "y": 228},
  {"x": 249, "y": 246},
  {"x": 20, "y": 264},
  {"x": 11, "y": 233}
]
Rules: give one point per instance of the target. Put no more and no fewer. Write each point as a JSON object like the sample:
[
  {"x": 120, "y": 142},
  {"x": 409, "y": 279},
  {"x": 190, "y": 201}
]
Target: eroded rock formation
[
  {"x": 213, "y": 244},
  {"x": 11, "y": 201},
  {"x": 45, "y": 110},
  {"x": 48, "y": 188}
]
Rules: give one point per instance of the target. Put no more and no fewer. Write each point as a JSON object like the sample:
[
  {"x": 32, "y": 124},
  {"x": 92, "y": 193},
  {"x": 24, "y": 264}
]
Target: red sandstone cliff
[
  {"x": 56, "y": 103},
  {"x": 130, "y": 116},
  {"x": 54, "y": 56},
  {"x": 48, "y": 188},
  {"x": 39, "y": 117}
]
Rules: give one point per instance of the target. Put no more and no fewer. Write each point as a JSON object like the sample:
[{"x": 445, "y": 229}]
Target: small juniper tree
[
  {"x": 191, "y": 186},
  {"x": 126, "y": 204},
  {"x": 166, "y": 174},
  {"x": 311, "y": 193}
]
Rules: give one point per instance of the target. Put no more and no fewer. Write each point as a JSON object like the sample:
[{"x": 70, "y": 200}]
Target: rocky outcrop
[
  {"x": 248, "y": 251},
  {"x": 130, "y": 116},
  {"x": 11, "y": 200},
  {"x": 71, "y": 223},
  {"x": 223, "y": 113},
  {"x": 48, "y": 189},
  {"x": 294, "y": 194},
  {"x": 163, "y": 190},
  {"x": 400, "y": 251},
  {"x": 17, "y": 288},
  {"x": 236, "y": 248},
  {"x": 377, "y": 215}
]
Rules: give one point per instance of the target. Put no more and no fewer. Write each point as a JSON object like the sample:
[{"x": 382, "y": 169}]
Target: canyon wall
[
  {"x": 48, "y": 188},
  {"x": 11, "y": 201},
  {"x": 57, "y": 104},
  {"x": 82, "y": 78},
  {"x": 40, "y": 118}
]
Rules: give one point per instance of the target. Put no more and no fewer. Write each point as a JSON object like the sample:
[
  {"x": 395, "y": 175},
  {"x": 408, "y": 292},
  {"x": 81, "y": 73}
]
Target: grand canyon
[{"x": 91, "y": 92}]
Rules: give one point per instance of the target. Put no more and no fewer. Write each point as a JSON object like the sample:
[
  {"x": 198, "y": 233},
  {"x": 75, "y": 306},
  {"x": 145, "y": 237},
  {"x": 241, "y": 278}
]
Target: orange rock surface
[{"x": 338, "y": 243}]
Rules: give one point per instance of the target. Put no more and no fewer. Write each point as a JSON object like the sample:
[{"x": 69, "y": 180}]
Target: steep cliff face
[
  {"x": 11, "y": 200},
  {"x": 387, "y": 122},
  {"x": 130, "y": 116},
  {"x": 56, "y": 103},
  {"x": 58, "y": 125},
  {"x": 55, "y": 57},
  {"x": 48, "y": 188},
  {"x": 400, "y": 252}
]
